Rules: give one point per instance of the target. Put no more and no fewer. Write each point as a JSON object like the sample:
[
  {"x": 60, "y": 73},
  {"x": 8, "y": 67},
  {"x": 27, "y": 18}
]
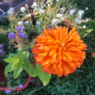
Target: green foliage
[
  {"x": 4, "y": 41},
  {"x": 82, "y": 4},
  {"x": 44, "y": 77},
  {"x": 19, "y": 63}
]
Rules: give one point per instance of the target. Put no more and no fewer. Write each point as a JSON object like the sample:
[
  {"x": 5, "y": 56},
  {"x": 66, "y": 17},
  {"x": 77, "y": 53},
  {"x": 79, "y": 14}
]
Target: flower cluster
[{"x": 9, "y": 91}]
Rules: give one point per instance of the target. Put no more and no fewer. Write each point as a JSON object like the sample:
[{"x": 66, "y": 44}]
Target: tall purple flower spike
[
  {"x": 20, "y": 28},
  {"x": 11, "y": 35}
]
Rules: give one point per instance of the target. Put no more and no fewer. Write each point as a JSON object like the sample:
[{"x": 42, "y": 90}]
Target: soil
[{"x": 1, "y": 0}]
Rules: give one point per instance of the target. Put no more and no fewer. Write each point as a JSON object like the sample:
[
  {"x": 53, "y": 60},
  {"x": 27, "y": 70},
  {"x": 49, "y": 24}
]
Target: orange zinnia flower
[{"x": 59, "y": 52}]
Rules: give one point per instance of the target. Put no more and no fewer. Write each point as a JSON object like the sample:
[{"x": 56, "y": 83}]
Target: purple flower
[
  {"x": 11, "y": 35},
  {"x": 9, "y": 4},
  {"x": 22, "y": 35},
  {"x": 20, "y": 86},
  {"x": 1, "y": 52},
  {"x": 1, "y": 46},
  {"x": 20, "y": 28},
  {"x": 8, "y": 91}
]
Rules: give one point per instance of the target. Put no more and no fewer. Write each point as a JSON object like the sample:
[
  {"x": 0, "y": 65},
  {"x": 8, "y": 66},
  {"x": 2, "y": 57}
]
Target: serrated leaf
[
  {"x": 12, "y": 60},
  {"x": 31, "y": 70},
  {"x": 12, "y": 55},
  {"x": 17, "y": 71},
  {"x": 8, "y": 69},
  {"x": 44, "y": 77}
]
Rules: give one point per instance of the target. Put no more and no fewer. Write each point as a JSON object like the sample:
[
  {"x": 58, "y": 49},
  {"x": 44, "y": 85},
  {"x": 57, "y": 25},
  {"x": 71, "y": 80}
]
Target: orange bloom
[{"x": 59, "y": 52}]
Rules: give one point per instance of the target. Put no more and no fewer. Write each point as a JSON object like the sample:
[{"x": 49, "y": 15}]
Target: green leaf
[
  {"x": 17, "y": 71},
  {"x": 21, "y": 55},
  {"x": 12, "y": 60},
  {"x": 27, "y": 56},
  {"x": 11, "y": 55},
  {"x": 31, "y": 70},
  {"x": 44, "y": 77},
  {"x": 8, "y": 69},
  {"x": 39, "y": 27}
]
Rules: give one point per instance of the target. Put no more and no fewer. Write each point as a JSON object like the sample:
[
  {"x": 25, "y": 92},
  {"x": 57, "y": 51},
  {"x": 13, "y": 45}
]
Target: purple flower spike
[
  {"x": 20, "y": 86},
  {"x": 20, "y": 34},
  {"x": 11, "y": 35},
  {"x": 8, "y": 91},
  {"x": 20, "y": 28},
  {"x": 9, "y": 4},
  {"x": 24, "y": 35},
  {"x": 1, "y": 52},
  {"x": 1, "y": 46}
]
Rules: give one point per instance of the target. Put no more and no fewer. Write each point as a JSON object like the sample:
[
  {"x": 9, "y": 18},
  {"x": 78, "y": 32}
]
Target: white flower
[
  {"x": 80, "y": 16},
  {"x": 57, "y": 0},
  {"x": 87, "y": 19},
  {"x": 41, "y": 10},
  {"x": 49, "y": 2},
  {"x": 26, "y": 22},
  {"x": 55, "y": 21},
  {"x": 80, "y": 12},
  {"x": 63, "y": 9},
  {"x": 86, "y": 8},
  {"x": 22, "y": 9},
  {"x": 20, "y": 23},
  {"x": 77, "y": 20},
  {"x": 10, "y": 11},
  {"x": 34, "y": 5},
  {"x": 38, "y": 23},
  {"x": 62, "y": 18},
  {"x": 72, "y": 11},
  {"x": 29, "y": 15},
  {"x": 59, "y": 15},
  {"x": 84, "y": 26}
]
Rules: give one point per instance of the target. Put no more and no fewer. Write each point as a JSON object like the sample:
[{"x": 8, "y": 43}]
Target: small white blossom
[
  {"x": 57, "y": 0},
  {"x": 62, "y": 18},
  {"x": 86, "y": 8},
  {"x": 22, "y": 9},
  {"x": 84, "y": 26},
  {"x": 80, "y": 16},
  {"x": 29, "y": 15},
  {"x": 59, "y": 15},
  {"x": 72, "y": 11},
  {"x": 10, "y": 11},
  {"x": 55, "y": 21},
  {"x": 38, "y": 23},
  {"x": 20, "y": 23},
  {"x": 63, "y": 9},
  {"x": 49, "y": 2},
  {"x": 77, "y": 20},
  {"x": 34, "y": 5},
  {"x": 87, "y": 19},
  {"x": 41, "y": 10},
  {"x": 80, "y": 12},
  {"x": 26, "y": 22}
]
